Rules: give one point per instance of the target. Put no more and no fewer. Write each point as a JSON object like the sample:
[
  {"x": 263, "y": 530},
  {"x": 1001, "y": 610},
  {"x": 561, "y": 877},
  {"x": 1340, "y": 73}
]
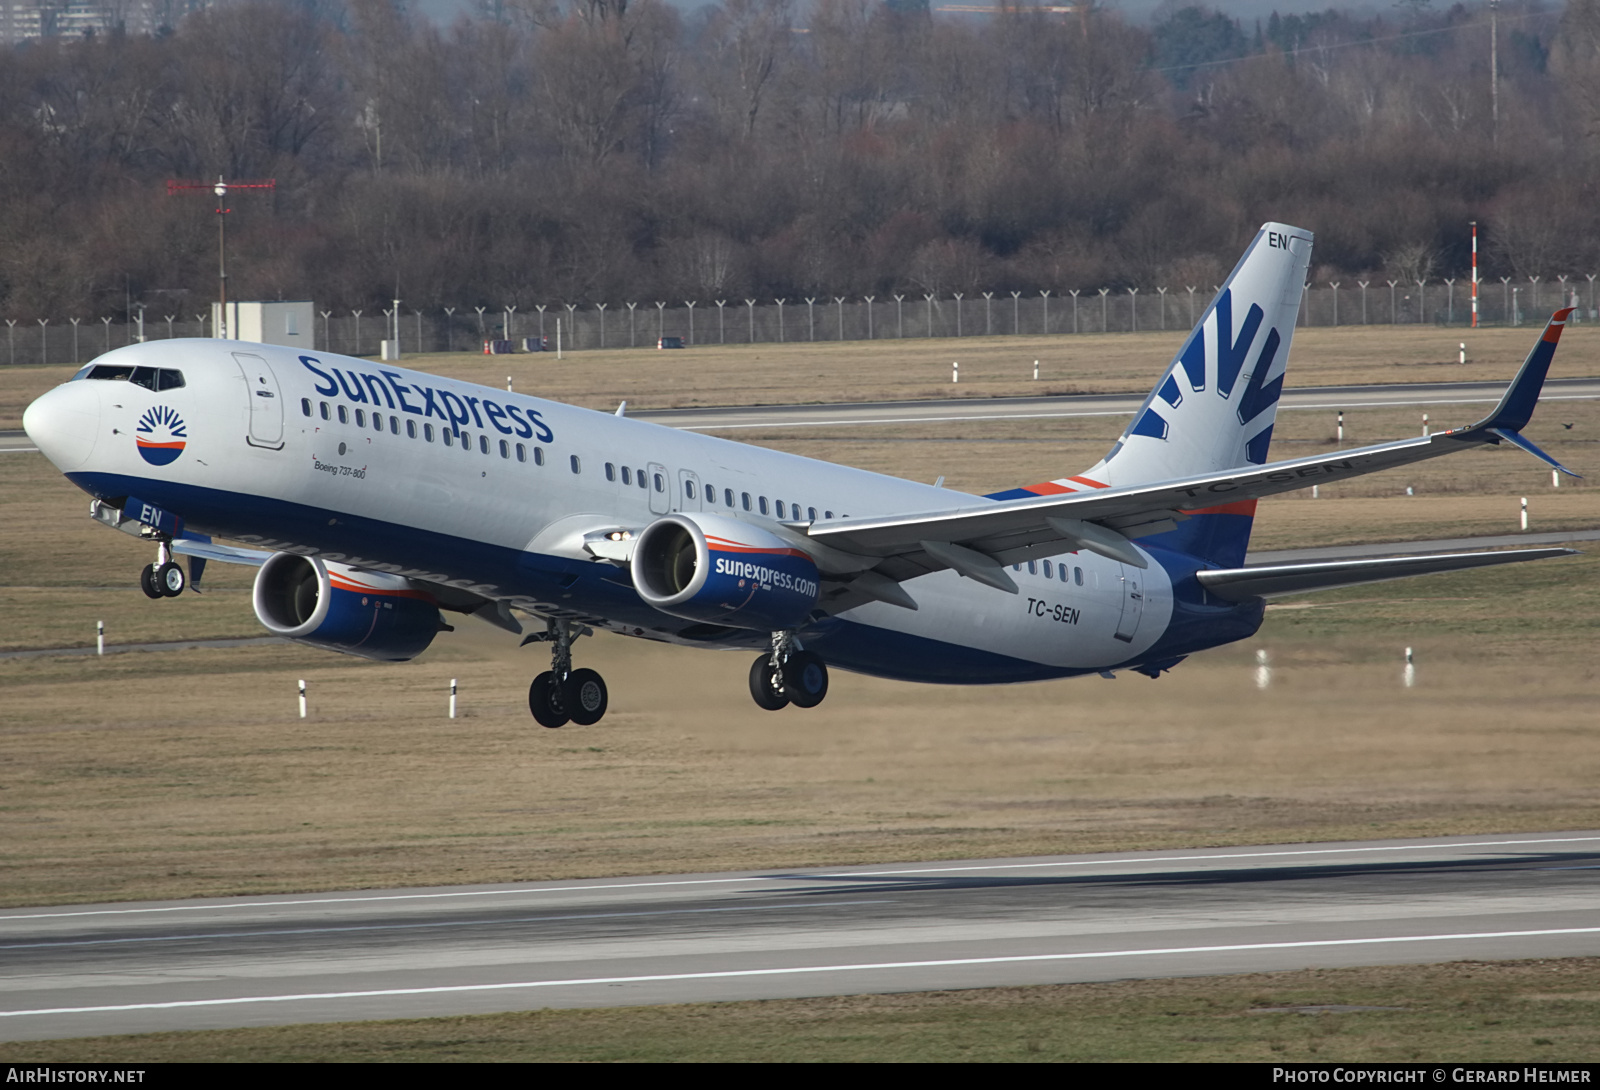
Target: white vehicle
[{"x": 373, "y": 497}]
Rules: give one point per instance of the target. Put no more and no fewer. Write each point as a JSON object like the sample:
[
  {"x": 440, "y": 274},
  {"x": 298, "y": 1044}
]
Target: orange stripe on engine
[{"x": 358, "y": 588}]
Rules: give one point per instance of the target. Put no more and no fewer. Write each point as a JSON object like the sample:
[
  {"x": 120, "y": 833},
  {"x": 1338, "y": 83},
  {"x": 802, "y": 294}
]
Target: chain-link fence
[{"x": 574, "y": 327}]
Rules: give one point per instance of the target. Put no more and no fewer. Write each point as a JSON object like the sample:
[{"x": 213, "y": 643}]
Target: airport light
[{"x": 220, "y": 188}]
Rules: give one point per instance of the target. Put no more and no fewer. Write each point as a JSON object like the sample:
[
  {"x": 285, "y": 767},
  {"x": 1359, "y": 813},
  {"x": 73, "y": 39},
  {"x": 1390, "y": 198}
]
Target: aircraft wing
[
  {"x": 1267, "y": 580},
  {"x": 978, "y": 541}
]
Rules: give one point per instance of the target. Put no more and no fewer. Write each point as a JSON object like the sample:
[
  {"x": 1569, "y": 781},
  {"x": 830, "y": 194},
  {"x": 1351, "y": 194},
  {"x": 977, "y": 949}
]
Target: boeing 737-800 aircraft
[{"x": 373, "y": 497}]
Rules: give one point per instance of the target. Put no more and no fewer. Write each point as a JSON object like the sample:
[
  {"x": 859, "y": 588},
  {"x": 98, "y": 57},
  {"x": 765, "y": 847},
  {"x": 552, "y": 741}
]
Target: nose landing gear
[
  {"x": 562, "y": 695},
  {"x": 787, "y": 675},
  {"x": 164, "y": 578}
]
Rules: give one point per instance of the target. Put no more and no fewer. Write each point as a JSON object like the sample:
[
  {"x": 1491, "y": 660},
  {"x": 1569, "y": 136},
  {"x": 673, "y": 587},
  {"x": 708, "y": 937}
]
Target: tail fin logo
[
  {"x": 160, "y": 436},
  {"x": 1231, "y": 352}
]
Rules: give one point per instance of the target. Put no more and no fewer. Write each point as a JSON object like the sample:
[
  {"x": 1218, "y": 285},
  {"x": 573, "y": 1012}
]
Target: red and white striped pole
[{"x": 1474, "y": 274}]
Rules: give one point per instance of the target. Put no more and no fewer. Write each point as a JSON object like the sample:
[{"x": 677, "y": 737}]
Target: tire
[
  {"x": 585, "y": 695},
  {"x": 763, "y": 687},
  {"x": 147, "y": 581},
  {"x": 546, "y": 703},
  {"x": 805, "y": 679},
  {"x": 170, "y": 580}
]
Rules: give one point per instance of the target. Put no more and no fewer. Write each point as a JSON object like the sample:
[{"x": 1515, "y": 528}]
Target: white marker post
[
  {"x": 1524, "y": 512},
  {"x": 1341, "y": 425},
  {"x": 452, "y": 698},
  {"x": 1463, "y": 352},
  {"x": 1263, "y": 669},
  {"x": 1409, "y": 675},
  {"x": 1555, "y": 478},
  {"x": 302, "y": 698},
  {"x": 1313, "y": 491},
  {"x": 1036, "y": 370},
  {"x": 508, "y": 384},
  {"x": 955, "y": 372},
  {"x": 1424, "y": 425}
]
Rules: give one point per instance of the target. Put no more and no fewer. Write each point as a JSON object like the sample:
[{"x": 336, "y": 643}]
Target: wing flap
[{"x": 1267, "y": 580}]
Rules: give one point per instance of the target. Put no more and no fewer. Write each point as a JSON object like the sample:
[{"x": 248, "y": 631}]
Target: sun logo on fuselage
[{"x": 160, "y": 436}]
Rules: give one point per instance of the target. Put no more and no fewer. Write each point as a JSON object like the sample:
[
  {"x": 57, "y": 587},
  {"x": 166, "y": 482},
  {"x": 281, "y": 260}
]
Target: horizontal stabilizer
[{"x": 1267, "y": 580}]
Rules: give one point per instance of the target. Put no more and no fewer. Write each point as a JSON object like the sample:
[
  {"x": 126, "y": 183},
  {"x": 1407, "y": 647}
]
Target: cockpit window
[{"x": 151, "y": 378}]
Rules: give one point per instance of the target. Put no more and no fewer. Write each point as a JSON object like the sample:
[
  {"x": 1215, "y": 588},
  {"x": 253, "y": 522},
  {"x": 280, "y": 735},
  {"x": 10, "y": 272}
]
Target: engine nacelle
[
  {"x": 337, "y": 608},
  {"x": 723, "y": 571}
]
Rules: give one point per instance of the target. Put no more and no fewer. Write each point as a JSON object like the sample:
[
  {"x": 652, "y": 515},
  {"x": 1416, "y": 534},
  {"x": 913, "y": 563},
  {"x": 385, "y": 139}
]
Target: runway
[
  {"x": 131, "y": 968},
  {"x": 1323, "y": 398},
  {"x": 954, "y": 410}
]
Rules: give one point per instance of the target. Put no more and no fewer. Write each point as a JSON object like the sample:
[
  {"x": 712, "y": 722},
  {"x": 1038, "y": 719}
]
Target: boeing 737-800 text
[{"x": 373, "y": 497}]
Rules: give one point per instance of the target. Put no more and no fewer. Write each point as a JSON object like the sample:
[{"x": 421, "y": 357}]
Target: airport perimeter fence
[{"x": 587, "y": 327}]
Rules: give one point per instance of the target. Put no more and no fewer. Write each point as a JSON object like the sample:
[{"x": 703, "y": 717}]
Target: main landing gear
[
  {"x": 164, "y": 578},
  {"x": 787, "y": 675},
  {"x": 562, "y": 695}
]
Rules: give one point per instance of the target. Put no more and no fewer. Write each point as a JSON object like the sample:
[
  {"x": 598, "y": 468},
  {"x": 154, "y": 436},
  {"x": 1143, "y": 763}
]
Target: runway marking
[
  {"x": 731, "y": 974},
  {"x": 601, "y": 886},
  {"x": 440, "y": 923}
]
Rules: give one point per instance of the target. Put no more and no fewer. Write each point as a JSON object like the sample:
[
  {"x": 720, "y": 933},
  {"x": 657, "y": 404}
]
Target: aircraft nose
[{"x": 64, "y": 423}]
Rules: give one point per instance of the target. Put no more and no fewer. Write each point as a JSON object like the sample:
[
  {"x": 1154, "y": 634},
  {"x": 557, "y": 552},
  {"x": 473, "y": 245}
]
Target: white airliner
[{"x": 373, "y": 497}]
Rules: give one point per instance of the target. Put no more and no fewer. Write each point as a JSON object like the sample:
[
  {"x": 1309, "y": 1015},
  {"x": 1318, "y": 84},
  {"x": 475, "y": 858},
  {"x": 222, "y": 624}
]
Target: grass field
[
  {"x": 1465, "y": 1012},
  {"x": 188, "y": 773}
]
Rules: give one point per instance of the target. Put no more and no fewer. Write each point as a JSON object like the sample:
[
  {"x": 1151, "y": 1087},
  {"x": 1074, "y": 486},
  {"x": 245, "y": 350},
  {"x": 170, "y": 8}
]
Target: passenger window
[
  {"x": 411, "y": 429},
  {"x": 344, "y": 415},
  {"x": 1033, "y": 567},
  {"x": 144, "y": 376},
  {"x": 394, "y": 425},
  {"x": 305, "y": 406},
  {"x": 746, "y": 497},
  {"x": 661, "y": 483},
  {"x": 168, "y": 379},
  {"x": 538, "y": 456},
  {"x": 711, "y": 493},
  {"x": 576, "y": 466},
  {"x": 324, "y": 405},
  {"x": 1077, "y": 576},
  {"x": 780, "y": 509},
  {"x": 639, "y": 476},
  {"x": 449, "y": 437},
  {"x": 763, "y": 505},
  {"x": 688, "y": 489},
  {"x": 522, "y": 453},
  {"x": 627, "y": 475},
  {"x": 483, "y": 444},
  {"x": 361, "y": 418},
  {"x": 427, "y": 433},
  {"x": 505, "y": 449},
  {"x": 611, "y": 472},
  {"x": 1016, "y": 567},
  {"x": 727, "y": 497},
  {"x": 811, "y": 513},
  {"x": 827, "y": 514},
  {"x": 1049, "y": 571},
  {"x": 377, "y": 421}
]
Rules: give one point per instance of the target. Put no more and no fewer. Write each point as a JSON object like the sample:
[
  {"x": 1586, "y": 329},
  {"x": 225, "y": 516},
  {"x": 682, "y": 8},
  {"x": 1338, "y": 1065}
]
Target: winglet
[{"x": 1516, "y": 407}]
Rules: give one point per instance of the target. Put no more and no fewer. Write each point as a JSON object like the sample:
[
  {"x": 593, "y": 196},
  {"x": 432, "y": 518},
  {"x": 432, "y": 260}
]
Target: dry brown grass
[{"x": 913, "y": 369}]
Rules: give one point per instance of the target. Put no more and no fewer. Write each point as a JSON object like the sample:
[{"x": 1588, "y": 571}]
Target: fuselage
[{"x": 394, "y": 470}]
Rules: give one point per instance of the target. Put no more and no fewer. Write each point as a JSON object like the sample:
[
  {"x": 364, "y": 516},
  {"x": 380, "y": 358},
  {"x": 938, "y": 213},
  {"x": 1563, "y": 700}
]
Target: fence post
[
  {"x": 1016, "y": 324},
  {"x": 1163, "y": 292},
  {"x": 690, "y": 303},
  {"x": 661, "y": 322},
  {"x": 601, "y": 307},
  {"x": 74, "y": 322},
  {"x": 811, "y": 317},
  {"x": 780, "y": 303},
  {"x": 44, "y": 342},
  {"x": 988, "y": 314},
  {"x": 1105, "y": 315},
  {"x": 750, "y": 309},
  {"x": 1074, "y": 294},
  {"x": 1046, "y": 296},
  {"x": 357, "y": 313},
  {"x": 899, "y": 317},
  {"x": 632, "y": 328},
  {"x": 1334, "y": 284},
  {"x": 1191, "y": 307},
  {"x": 1133, "y": 310},
  {"x": 722, "y": 330},
  {"x": 958, "y": 313},
  {"x": 1363, "y": 284},
  {"x": 840, "y": 301},
  {"x": 869, "y": 299}
]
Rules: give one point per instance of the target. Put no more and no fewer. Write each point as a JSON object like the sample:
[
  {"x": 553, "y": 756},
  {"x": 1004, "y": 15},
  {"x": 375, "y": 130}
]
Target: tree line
[{"x": 602, "y": 150}]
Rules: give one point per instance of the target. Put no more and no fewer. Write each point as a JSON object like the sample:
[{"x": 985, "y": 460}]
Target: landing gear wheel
[
  {"x": 546, "y": 702},
  {"x": 584, "y": 695},
  {"x": 805, "y": 679},
  {"x": 170, "y": 580},
  {"x": 764, "y": 685},
  {"x": 147, "y": 581}
]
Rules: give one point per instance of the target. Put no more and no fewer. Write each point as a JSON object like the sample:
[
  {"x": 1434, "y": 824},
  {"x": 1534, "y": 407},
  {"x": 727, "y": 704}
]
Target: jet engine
[
  {"x": 338, "y": 608},
  {"x": 723, "y": 571}
]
